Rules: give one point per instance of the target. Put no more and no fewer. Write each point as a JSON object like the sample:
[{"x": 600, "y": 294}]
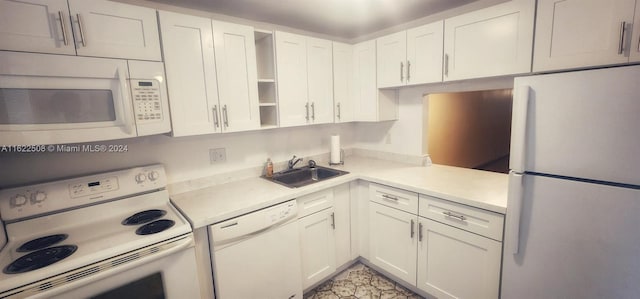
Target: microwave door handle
[{"x": 127, "y": 105}]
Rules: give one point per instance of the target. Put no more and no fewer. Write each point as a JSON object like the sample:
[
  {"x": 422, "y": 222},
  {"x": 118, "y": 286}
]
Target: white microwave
[{"x": 54, "y": 99}]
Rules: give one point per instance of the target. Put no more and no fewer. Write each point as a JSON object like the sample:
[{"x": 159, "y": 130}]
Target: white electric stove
[{"x": 109, "y": 235}]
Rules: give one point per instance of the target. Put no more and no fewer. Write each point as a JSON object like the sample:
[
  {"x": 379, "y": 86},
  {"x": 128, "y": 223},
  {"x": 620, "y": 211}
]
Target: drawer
[
  {"x": 393, "y": 197},
  {"x": 481, "y": 222},
  {"x": 315, "y": 202}
]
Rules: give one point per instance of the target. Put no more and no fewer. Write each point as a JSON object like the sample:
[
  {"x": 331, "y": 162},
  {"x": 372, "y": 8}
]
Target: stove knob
[
  {"x": 18, "y": 200},
  {"x": 154, "y": 175},
  {"x": 141, "y": 178},
  {"x": 38, "y": 197}
]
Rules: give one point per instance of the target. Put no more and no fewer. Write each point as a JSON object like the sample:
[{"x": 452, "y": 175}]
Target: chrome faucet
[{"x": 293, "y": 162}]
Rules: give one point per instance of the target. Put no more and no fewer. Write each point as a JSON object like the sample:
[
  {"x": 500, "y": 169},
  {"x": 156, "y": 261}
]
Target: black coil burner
[
  {"x": 144, "y": 217},
  {"x": 39, "y": 259},
  {"x": 155, "y": 227},
  {"x": 42, "y": 242}
]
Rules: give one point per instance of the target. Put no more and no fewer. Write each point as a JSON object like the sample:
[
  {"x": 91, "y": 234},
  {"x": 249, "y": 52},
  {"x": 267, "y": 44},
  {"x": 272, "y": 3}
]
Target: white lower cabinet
[
  {"x": 453, "y": 263},
  {"x": 445, "y": 249},
  {"x": 392, "y": 241},
  {"x": 317, "y": 238},
  {"x": 325, "y": 234}
]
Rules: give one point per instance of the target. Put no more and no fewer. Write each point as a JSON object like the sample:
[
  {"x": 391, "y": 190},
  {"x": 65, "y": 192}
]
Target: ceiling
[{"x": 340, "y": 18}]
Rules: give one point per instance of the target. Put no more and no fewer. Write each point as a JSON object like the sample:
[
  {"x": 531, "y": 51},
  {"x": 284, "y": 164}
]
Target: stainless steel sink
[{"x": 303, "y": 176}]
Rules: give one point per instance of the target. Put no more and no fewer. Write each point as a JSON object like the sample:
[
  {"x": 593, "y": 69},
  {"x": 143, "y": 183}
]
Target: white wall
[{"x": 184, "y": 157}]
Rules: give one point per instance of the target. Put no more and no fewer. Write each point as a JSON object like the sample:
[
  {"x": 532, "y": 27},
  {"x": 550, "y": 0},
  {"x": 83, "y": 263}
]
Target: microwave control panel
[{"x": 147, "y": 104}]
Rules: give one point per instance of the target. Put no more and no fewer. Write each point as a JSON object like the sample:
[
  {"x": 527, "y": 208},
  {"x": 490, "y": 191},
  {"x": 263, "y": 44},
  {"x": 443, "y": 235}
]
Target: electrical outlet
[{"x": 217, "y": 155}]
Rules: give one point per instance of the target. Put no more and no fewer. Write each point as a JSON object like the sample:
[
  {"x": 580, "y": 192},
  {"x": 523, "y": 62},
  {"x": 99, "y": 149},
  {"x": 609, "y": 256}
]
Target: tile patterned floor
[{"x": 360, "y": 281}]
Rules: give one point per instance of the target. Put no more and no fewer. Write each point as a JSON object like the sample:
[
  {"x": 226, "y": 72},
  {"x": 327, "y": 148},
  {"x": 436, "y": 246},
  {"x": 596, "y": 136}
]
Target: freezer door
[
  {"x": 576, "y": 240},
  {"x": 580, "y": 124}
]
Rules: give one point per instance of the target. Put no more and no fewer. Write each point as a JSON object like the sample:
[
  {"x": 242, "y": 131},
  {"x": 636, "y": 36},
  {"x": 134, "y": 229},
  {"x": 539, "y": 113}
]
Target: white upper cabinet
[
  {"x": 371, "y": 104},
  {"x": 92, "y": 28},
  {"x": 110, "y": 29},
  {"x": 187, "y": 42},
  {"x": 320, "y": 79},
  {"x": 582, "y": 33},
  {"x": 305, "y": 79},
  {"x": 291, "y": 61},
  {"x": 391, "y": 62},
  {"x": 343, "y": 81},
  {"x": 424, "y": 53},
  {"x": 235, "y": 55},
  {"x": 36, "y": 26},
  {"x": 493, "y": 41},
  {"x": 410, "y": 57}
]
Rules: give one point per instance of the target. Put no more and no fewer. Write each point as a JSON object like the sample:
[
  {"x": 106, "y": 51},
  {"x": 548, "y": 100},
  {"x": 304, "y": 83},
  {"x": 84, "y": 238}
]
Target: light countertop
[{"x": 481, "y": 189}]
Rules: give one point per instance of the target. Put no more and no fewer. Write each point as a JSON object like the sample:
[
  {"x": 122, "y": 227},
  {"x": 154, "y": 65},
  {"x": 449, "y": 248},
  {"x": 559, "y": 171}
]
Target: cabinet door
[
  {"x": 365, "y": 88},
  {"x": 392, "y": 54},
  {"x": 453, "y": 263},
  {"x": 291, "y": 62},
  {"x": 342, "y": 206},
  {"x": 493, "y": 41},
  {"x": 110, "y": 29},
  {"x": 36, "y": 26},
  {"x": 578, "y": 33},
  {"x": 393, "y": 240},
  {"x": 320, "y": 80},
  {"x": 318, "y": 246},
  {"x": 424, "y": 53},
  {"x": 235, "y": 53},
  {"x": 343, "y": 80},
  {"x": 187, "y": 42},
  {"x": 634, "y": 55}
]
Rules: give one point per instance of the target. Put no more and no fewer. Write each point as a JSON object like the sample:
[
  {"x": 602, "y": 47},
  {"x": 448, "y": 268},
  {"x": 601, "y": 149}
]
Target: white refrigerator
[{"x": 573, "y": 214}]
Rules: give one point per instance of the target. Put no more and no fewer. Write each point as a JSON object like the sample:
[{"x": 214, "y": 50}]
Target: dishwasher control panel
[
  {"x": 245, "y": 226},
  {"x": 281, "y": 212}
]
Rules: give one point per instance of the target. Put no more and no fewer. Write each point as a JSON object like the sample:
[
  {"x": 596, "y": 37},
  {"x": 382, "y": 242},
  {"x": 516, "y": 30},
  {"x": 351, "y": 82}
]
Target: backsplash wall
[{"x": 185, "y": 158}]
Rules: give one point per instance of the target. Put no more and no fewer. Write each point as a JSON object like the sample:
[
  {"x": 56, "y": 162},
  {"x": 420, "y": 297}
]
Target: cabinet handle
[
  {"x": 338, "y": 106},
  {"x": 225, "y": 117},
  {"x": 412, "y": 229},
  {"x": 214, "y": 110},
  {"x": 623, "y": 30},
  {"x": 408, "y": 71},
  {"x": 333, "y": 220},
  {"x": 306, "y": 106},
  {"x": 63, "y": 28},
  {"x": 401, "y": 71},
  {"x": 420, "y": 231},
  {"x": 446, "y": 65},
  {"x": 313, "y": 110},
  {"x": 385, "y": 196},
  {"x": 81, "y": 28},
  {"x": 460, "y": 217}
]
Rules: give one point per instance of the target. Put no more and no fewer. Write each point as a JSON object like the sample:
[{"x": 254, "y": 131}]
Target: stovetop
[{"x": 78, "y": 237}]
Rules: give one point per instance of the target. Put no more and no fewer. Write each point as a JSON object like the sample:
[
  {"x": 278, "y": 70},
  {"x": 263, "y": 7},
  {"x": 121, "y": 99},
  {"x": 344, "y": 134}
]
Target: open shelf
[{"x": 267, "y": 93}]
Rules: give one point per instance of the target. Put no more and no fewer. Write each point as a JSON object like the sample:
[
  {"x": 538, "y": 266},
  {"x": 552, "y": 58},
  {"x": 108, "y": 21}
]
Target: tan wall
[{"x": 469, "y": 129}]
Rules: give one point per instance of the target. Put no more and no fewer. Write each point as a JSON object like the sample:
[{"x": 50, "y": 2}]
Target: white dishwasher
[{"x": 257, "y": 255}]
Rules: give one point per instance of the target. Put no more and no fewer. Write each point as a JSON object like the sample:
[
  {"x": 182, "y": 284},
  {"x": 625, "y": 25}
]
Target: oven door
[
  {"x": 166, "y": 270},
  {"x": 53, "y": 99}
]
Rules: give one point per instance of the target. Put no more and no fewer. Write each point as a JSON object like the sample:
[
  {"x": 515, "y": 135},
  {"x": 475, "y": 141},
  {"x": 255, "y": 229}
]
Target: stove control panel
[{"x": 29, "y": 201}]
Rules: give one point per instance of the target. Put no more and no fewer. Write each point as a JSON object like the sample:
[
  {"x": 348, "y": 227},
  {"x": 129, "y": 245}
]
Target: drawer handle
[
  {"x": 449, "y": 214},
  {"x": 385, "y": 196}
]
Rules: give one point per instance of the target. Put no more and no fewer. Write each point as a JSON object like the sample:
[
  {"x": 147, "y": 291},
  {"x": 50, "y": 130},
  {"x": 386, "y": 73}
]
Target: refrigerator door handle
[
  {"x": 519, "y": 128},
  {"x": 514, "y": 211}
]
